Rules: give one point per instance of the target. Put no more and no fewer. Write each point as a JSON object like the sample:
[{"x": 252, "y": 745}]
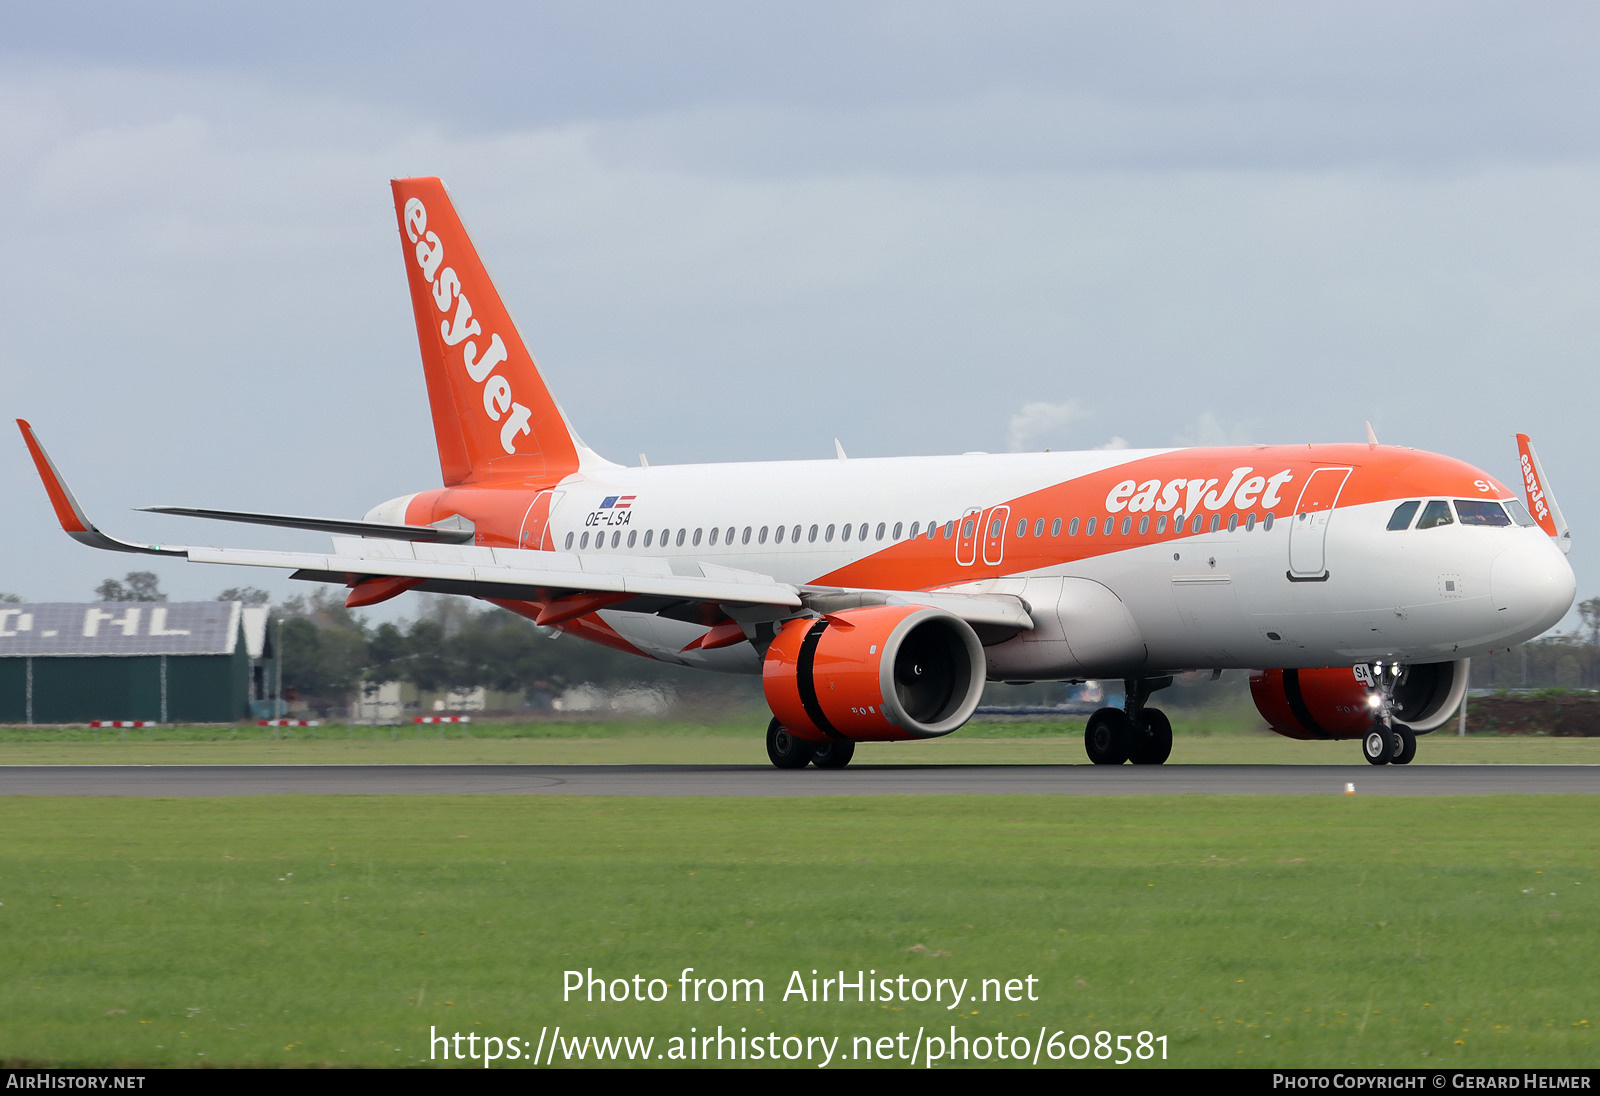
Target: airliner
[{"x": 875, "y": 597}]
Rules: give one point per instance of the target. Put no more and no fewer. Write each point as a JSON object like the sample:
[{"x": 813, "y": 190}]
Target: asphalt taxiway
[{"x": 750, "y": 780}]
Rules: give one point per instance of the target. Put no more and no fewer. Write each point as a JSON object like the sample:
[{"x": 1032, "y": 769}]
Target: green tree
[
  {"x": 135, "y": 586},
  {"x": 386, "y": 654},
  {"x": 250, "y": 595}
]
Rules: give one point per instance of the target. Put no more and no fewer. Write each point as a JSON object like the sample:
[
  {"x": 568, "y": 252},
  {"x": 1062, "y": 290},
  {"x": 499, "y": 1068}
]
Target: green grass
[
  {"x": 1261, "y": 931},
  {"x": 642, "y": 743}
]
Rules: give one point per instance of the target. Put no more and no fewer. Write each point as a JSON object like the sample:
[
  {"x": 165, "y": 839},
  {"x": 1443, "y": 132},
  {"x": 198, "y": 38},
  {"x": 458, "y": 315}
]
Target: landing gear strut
[
  {"x": 1134, "y": 733},
  {"x": 1388, "y": 742}
]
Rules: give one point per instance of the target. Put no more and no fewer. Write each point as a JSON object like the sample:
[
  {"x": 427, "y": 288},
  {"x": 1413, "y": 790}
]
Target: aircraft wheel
[
  {"x": 833, "y": 755},
  {"x": 1109, "y": 737},
  {"x": 1152, "y": 742},
  {"x": 785, "y": 750},
  {"x": 1379, "y": 746},
  {"x": 1405, "y": 742}
]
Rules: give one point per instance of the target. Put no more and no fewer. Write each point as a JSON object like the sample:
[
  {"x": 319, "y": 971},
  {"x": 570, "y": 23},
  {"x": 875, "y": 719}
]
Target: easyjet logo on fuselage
[
  {"x": 1196, "y": 494},
  {"x": 498, "y": 402}
]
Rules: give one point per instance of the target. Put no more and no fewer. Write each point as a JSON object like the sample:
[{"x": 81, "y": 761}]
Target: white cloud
[
  {"x": 1208, "y": 429},
  {"x": 1039, "y": 419}
]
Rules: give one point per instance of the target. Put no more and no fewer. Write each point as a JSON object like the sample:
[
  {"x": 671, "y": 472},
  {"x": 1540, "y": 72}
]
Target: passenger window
[
  {"x": 1266, "y": 523},
  {"x": 881, "y": 528},
  {"x": 745, "y": 539},
  {"x": 616, "y": 538},
  {"x": 761, "y": 537},
  {"x": 584, "y": 543},
  {"x": 697, "y": 538},
  {"x": 1250, "y": 524},
  {"x": 1072, "y": 528},
  {"x": 828, "y": 536},
  {"x": 714, "y": 532},
  {"x": 1436, "y": 513},
  {"x": 569, "y": 542},
  {"x": 1400, "y": 520},
  {"x": 1022, "y": 527},
  {"x": 916, "y": 529},
  {"x": 1233, "y": 522},
  {"x": 1481, "y": 512},
  {"x": 1088, "y": 530},
  {"x": 1199, "y": 520},
  {"x": 1216, "y": 522},
  {"x": 811, "y": 538},
  {"x": 681, "y": 533},
  {"x": 949, "y": 529},
  {"x": 728, "y": 538},
  {"x": 1055, "y": 528},
  {"x": 897, "y": 527},
  {"x": 844, "y": 534},
  {"x": 861, "y": 533},
  {"x": 1038, "y": 528},
  {"x": 632, "y": 536},
  {"x": 649, "y": 535},
  {"x": 1144, "y": 524}
]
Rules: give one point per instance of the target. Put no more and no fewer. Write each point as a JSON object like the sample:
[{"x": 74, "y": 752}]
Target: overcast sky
[{"x": 734, "y": 231}]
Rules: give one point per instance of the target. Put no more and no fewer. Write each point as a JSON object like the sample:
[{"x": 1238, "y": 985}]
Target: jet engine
[
  {"x": 874, "y": 674},
  {"x": 1331, "y": 703}
]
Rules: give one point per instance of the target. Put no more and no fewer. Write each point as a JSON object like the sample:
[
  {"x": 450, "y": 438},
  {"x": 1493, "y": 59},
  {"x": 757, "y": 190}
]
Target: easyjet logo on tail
[
  {"x": 459, "y": 327},
  {"x": 1533, "y": 486}
]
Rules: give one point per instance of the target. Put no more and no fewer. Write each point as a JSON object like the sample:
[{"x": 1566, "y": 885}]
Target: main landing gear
[
  {"x": 787, "y": 751},
  {"x": 1134, "y": 733}
]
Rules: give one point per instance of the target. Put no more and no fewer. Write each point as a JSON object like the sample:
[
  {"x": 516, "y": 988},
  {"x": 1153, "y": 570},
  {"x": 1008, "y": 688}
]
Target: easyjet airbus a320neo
[{"x": 875, "y": 597}]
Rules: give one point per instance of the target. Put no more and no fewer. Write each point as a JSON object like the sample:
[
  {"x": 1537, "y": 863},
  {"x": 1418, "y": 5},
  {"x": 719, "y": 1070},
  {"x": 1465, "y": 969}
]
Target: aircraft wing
[{"x": 568, "y": 585}]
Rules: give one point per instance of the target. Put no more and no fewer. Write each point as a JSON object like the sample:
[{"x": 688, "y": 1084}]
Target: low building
[{"x": 165, "y": 662}]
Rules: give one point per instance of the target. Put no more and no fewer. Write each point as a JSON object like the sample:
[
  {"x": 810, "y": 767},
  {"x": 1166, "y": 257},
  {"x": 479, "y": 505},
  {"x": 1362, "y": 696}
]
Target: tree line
[{"x": 453, "y": 644}]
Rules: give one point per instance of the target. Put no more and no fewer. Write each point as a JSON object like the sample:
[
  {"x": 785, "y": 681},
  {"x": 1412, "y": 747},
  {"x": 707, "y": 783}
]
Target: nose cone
[{"x": 1532, "y": 587}]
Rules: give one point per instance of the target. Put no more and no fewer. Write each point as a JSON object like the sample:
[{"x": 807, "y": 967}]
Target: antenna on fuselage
[{"x": 1372, "y": 439}]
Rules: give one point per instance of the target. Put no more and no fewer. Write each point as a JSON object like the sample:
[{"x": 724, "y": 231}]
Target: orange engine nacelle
[
  {"x": 1327, "y": 703},
  {"x": 1331, "y": 703},
  {"x": 874, "y": 674}
]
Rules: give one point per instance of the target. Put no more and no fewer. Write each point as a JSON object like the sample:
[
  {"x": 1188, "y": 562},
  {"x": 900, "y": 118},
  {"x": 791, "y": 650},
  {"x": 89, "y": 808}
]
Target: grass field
[
  {"x": 1246, "y": 930},
  {"x": 719, "y": 744}
]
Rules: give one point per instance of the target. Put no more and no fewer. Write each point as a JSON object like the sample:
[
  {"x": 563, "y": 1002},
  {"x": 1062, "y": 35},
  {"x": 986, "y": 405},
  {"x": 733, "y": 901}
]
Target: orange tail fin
[{"x": 493, "y": 417}]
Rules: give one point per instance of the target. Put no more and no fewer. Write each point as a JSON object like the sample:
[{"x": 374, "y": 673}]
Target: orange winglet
[
  {"x": 67, "y": 510},
  {"x": 371, "y": 591},
  {"x": 576, "y": 605},
  {"x": 724, "y": 634}
]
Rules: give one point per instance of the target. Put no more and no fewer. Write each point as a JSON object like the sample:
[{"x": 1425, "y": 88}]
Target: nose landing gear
[{"x": 1388, "y": 742}]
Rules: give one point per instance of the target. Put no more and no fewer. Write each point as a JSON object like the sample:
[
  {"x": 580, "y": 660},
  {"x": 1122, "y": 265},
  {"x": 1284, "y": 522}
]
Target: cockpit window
[
  {"x": 1401, "y": 518},
  {"x": 1437, "y": 512},
  {"x": 1519, "y": 513},
  {"x": 1481, "y": 512}
]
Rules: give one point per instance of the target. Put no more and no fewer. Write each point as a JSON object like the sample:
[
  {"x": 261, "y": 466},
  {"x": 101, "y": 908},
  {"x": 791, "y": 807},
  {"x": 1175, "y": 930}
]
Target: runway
[{"x": 750, "y": 780}]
